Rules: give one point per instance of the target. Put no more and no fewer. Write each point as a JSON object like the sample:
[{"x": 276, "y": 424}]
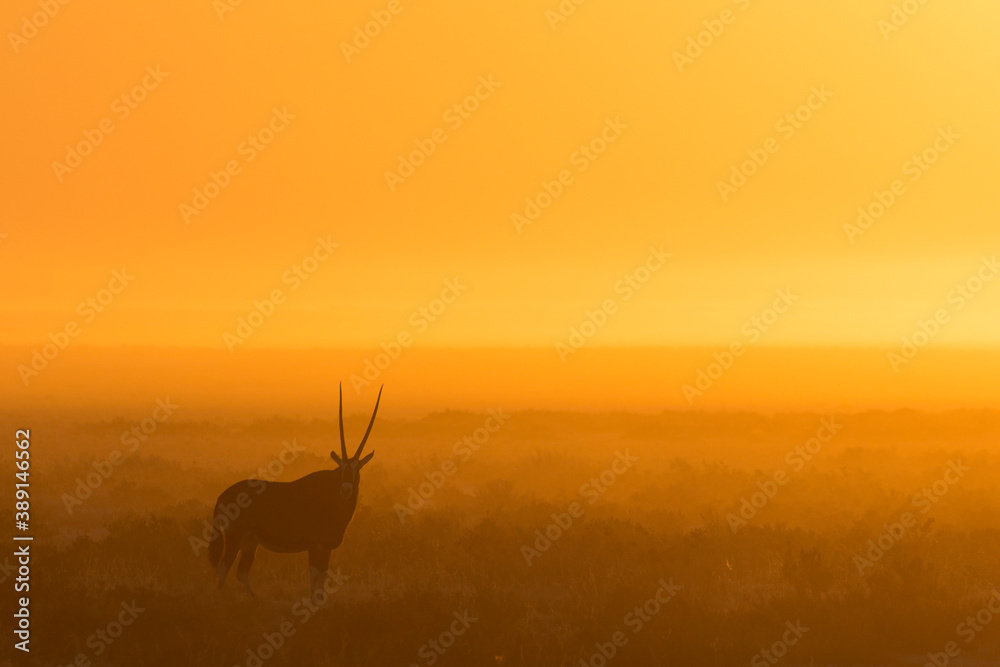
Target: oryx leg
[
  {"x": 248, "y": 550},
  {"x": 233, "y": 543},
  {"x": 319, "y": 562}
]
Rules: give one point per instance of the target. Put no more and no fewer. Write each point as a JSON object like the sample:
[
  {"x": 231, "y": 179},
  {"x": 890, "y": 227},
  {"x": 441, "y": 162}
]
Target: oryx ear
[
  {"x": 367, "y": 459},
  {"x": 333, "y": 455}
]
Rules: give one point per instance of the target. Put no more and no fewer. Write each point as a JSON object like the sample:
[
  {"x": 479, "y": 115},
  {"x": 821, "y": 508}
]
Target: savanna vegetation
[{"x": 533, "y": 546}]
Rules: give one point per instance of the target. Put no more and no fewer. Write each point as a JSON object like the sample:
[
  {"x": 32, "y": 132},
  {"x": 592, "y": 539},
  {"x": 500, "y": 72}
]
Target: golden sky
[{"x": 664, "y": 132}]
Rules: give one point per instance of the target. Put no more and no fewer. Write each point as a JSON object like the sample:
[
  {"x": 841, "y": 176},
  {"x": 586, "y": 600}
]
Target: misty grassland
[{"x": 555, "y": 533}]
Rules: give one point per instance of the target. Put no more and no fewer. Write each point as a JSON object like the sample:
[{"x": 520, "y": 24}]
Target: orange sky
[{"x": 609, "y": 69}]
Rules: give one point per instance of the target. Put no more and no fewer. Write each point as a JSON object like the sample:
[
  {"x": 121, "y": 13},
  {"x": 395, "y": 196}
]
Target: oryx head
[{"x": 350, "y": 468}]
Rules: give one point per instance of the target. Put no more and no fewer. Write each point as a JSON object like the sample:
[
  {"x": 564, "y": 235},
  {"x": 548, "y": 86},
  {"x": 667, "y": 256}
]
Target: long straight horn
[
  {"x": 370, "y": 424},
  {"x": 343, "y": 443}
]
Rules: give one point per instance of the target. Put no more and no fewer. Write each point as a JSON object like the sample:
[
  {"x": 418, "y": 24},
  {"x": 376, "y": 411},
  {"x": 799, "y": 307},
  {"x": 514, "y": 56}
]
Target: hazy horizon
[{"x": 422, "y": 380}]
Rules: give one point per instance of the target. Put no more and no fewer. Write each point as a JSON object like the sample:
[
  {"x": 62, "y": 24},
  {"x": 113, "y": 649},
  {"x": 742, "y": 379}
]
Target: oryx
[{"x": 308, "y": 514}]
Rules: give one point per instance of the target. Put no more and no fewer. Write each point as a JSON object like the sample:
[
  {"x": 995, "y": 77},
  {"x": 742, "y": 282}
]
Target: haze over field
[{"x": 454, "y": 522}]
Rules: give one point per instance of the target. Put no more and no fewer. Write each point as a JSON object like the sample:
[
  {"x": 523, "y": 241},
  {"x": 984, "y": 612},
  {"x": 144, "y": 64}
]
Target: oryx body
[{"x": 309, "y": 514}]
